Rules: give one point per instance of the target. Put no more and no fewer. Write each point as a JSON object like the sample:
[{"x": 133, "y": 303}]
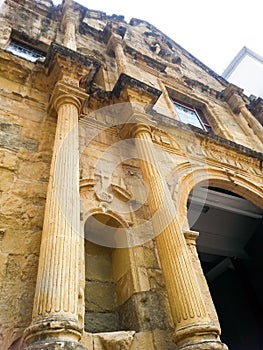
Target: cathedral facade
[{"x": 131, "y": 189}]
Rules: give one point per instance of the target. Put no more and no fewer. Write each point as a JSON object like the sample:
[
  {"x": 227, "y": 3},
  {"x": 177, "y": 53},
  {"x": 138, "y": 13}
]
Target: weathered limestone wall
[
  {"x": 31, "y": 21},
  {"x": 186, "y": 79},
  {"x": 26, "y": 148},
  {"x": 125, "y": 287}
]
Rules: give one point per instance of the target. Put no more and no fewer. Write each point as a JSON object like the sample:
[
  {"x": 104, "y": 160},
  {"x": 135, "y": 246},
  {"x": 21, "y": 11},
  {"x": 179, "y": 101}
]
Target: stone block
[
  {"x": 155, "y": 279},
  {"x": 98, "y": 268},
  {"x": 134, "y": 281},
  {"x": 33, "y": 171},
  {"x": 143, "y": 311},
  {"x": 3, "y": 264},
  {"x": 97, "y": 344},
  {"x": 14, "y": 266},
  {"x": 143, "y": 340},
  {"x": 29, "y": 268},
  {"x": 8, "y": 159},
  {"x": 6, "y": 180},
  {"x": 140, "y": 279},
  {"x": 150, "y": 258},
  {"x": 163, "y": 339},
  {"x": 87, "y": 341},
  {"x": 17, "y": 242},
  {"x": 121, "y": 262},
  {"x": 96, "y": 322},
  {"x": 11, "y": 139},
  {"x": 100, "y": 296},
  {"x": 124, "y": 288},
  {"x": 117, "y": 340},
  {"x": 137, "y": 254}
]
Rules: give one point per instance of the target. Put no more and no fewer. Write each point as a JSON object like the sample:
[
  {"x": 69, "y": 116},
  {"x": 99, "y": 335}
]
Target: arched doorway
[{"x": 230, "y": 236}]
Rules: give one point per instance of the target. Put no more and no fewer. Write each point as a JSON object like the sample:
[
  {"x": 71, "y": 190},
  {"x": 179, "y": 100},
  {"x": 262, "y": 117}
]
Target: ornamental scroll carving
[{"x": 231, "y": 158}]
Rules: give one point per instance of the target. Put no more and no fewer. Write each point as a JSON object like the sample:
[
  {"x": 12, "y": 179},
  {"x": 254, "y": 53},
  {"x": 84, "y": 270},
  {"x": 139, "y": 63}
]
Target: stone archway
[{"x": 230, "y": 224}]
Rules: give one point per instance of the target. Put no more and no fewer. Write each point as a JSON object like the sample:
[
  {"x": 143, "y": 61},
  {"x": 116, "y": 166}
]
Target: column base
[
  {"x": 202, "y": 336},
  {"x": 204, "y": 345},
  {"x": 55, "y": 345},
  {"x": 53, "y": 329}
]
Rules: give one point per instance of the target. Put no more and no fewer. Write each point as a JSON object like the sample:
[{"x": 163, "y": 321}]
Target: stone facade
[{"x": 96, "y": 169}]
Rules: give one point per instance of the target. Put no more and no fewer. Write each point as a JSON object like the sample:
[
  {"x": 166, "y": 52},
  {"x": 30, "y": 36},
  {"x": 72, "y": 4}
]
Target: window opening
[
  {"x": 24, "y": 51},
  {"x": 192, "y": 116}
]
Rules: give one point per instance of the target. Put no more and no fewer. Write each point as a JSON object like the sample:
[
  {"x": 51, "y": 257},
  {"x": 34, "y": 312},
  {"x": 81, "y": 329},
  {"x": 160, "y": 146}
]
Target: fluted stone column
[
  {"x": 115, "y": 44},
  {"x": 55, "y": 311},
  {"x": 191, "y": 237},
  {"x": 193, "y": 327},
  {"x": 69, "y": 21}
]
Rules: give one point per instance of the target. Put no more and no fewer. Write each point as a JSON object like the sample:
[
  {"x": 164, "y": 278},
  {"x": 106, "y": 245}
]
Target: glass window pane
[{"x": 188, "y": 116}]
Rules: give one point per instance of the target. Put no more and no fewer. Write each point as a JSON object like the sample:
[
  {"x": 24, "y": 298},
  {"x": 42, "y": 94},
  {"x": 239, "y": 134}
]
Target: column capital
[
  {"x": 113, "y": 42},
  {"x": 141, "y": 128},
  {"x": 191, "y": 237},
  {"x": 139, "y": 122},
  {"x": 66, "y": 94},
  {"x": 232, "y": 96}
]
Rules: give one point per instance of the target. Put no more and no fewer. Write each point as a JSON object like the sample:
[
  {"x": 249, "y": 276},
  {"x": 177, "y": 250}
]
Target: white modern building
[{"x": 246, "y": 71}]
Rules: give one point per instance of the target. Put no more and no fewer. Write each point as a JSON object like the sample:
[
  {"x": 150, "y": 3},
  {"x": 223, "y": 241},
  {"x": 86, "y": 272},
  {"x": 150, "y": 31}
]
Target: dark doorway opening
[{"x": 229, "y": 247}]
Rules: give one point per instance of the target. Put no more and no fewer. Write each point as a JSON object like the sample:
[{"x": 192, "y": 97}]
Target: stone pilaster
[
  {"x": 115, "y": 45},
  {"x": 55, "y": 312},
  {"x": 193, "y": 326}
]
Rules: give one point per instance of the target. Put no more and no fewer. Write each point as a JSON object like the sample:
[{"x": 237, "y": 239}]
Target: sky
[{"x": 212, "y": 31}]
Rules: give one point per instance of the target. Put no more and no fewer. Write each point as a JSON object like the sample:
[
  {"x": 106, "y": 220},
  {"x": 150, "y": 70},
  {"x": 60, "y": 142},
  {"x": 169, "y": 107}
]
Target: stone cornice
[
  {"x": 126, "y": 82},
  {"x": 125, "y": 88},
  {"x": 172, "y": 123},
  {"x": 151, "y": 62},
  {"x": 56, "y": 49},
  {"x": 68, "y": 59}
]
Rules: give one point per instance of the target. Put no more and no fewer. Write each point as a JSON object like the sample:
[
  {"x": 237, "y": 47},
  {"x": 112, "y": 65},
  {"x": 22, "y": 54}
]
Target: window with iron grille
[{"x": 24, "y": 51}]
